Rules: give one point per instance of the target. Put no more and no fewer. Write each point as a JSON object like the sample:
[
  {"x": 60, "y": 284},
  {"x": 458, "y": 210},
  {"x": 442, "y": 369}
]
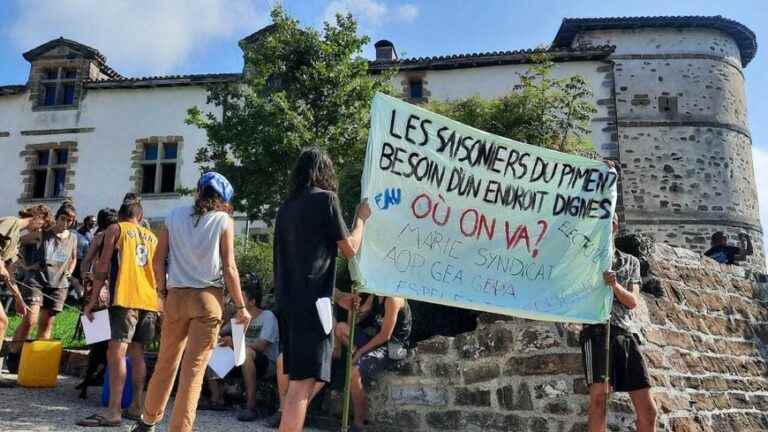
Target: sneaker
[
  {"x": 273, "y": 421},
  {"x": 249, "y": 415},
  {"x": 140, "y": 426},
  {"x": 7, "y": 382}
]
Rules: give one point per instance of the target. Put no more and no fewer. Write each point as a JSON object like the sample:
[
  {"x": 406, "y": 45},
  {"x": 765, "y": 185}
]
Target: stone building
[{"x": 669, "y": 93}]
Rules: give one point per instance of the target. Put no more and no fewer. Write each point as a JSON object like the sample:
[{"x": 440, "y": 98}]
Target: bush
[{"x": 256, "y": 257}]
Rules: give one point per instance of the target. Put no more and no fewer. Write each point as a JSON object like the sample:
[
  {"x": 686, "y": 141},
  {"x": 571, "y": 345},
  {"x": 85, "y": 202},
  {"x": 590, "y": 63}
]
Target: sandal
[{"x": 98, "y": 420}]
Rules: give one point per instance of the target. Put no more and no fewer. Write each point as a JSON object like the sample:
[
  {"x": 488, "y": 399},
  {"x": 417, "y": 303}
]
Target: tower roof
[{"x": 744, "y": 37}]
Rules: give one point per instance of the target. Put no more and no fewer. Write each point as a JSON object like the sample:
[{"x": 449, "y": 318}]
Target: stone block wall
[{"x": 704, "y": 338}]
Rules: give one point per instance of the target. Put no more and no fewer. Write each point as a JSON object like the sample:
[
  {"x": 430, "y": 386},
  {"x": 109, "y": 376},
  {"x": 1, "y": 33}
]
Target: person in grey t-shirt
[
  {"x": 626, "y": 367},
  {"x": 262, "y": 342}
]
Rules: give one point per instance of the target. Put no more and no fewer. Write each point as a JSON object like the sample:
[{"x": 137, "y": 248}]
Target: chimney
[{"x": 385, "y": 51}]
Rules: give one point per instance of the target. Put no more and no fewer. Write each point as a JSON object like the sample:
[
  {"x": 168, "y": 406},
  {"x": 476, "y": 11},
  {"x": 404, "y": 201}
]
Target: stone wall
[{"x": 705, "y": 334}]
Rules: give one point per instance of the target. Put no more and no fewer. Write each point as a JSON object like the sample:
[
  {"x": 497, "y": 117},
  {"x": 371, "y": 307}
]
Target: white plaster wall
[
  {"x": 663, "y": 41},
  {"x": 103, "y": 171},
  {"x": 495, "y": 81}
]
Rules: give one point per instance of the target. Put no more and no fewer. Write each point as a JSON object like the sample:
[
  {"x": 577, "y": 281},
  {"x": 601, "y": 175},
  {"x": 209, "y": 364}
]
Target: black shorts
[
  {"x": 132, "y": 325},
  {"x": 307, "y": 350},
  {"x": 628, "y": 369}
]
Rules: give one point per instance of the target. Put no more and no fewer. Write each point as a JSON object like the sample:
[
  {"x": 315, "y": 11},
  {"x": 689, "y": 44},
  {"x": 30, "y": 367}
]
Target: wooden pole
[
  {"x": 607, "y": 370},
  {"x": 350, "y": 354}
]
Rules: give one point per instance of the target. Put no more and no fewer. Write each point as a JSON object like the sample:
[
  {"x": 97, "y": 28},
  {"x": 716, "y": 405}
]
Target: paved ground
[{"x": 58, "y": 409}]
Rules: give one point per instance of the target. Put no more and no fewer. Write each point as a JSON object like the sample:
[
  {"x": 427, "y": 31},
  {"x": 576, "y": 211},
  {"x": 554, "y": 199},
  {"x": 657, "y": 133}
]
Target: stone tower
[{"x": 681, "y": 124}]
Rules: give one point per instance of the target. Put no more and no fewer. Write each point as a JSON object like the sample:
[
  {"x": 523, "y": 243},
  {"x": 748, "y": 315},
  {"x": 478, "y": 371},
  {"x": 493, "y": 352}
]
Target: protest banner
[{"x": 465, "y": 218}]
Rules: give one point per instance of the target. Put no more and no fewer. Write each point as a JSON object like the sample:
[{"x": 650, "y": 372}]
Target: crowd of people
[{"x": 182, "y": 285}]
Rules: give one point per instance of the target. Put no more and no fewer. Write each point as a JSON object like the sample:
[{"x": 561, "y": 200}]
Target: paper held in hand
[
  {"x": 97, "y": 330},
  {"x": 222, "y": 361},
  {"x": 238, "y": 342},
  {"x": 325, "y": 312}
]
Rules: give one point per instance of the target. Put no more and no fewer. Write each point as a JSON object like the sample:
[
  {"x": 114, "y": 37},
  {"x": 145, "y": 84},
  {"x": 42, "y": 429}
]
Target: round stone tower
[{"x": 681, "y": 125}]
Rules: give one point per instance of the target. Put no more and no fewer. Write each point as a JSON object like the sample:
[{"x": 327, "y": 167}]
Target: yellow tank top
[{"x": 135, "y": 288}]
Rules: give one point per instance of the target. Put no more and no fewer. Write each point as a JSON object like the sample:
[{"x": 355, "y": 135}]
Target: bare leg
[
  {"x": 359, "y": 398},
  {"x": 117, "y": 373},
  {"x": 3, "y": 326},
  {"x": 645, "y": 409},
  {"x": 596, "y": 411},
  {"x": 342, "y": 333},
  {"x": 217, "y": 391},
  {"x": 249, "y": 379},
  {"x": 45, "y": 324},
  {"x": 296, "y": 403},
  {"x": 138, "y": 377},
  {"x": 22, "y": 331},
  {"x": 283, "y": 380}
]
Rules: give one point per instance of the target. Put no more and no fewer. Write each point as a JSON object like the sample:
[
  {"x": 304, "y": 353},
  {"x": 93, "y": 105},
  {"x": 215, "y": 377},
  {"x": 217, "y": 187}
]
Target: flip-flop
[
  {"x": 97, "y": 420},
  {"x": 131, "y": 416}
]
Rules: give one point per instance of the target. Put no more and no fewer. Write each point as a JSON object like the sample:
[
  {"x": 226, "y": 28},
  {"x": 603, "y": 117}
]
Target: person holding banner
[
  {"x": 309, "y": 232},
  {"x": 626, "y": 366}
]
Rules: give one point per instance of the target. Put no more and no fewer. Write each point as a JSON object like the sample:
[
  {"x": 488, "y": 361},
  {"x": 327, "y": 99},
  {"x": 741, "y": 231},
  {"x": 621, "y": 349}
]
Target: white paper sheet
[
  {"x": 222, "y": 361},
  {"x": 97, "y": 330},
  {"x": 238, "y": 342},
  {"x": 325, "y": 312}
]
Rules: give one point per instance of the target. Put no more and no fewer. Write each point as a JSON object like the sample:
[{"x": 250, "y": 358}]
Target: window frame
[
  {"x": 158, "y": 163},
  {"x": 50, "y": 168},
  {"x": 59, "y": 84}
]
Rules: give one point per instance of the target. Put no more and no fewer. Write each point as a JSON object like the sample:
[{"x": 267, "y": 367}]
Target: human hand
[
  {"x": 243, "y": 317},
  {"x": 226, "y": 341},
  {"x": 364, "y": 210},
  {"x": 88, "y": 312},
  {"x": 611, "y": 164},
  {"x": 20, "y": 306},
  {"x": 610, "y": 278},
  {"x": 349, "y": 301}
]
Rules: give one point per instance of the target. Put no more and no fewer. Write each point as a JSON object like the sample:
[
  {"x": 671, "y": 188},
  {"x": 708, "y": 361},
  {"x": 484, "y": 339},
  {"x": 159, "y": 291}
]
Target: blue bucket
[{"x": 127, "y": 388}]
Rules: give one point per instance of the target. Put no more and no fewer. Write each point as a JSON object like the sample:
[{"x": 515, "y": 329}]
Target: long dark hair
[
  {"x": 210, "y": 200},
  {"x": 106, "y": 218},
  {"x": 313, "y": 169}
]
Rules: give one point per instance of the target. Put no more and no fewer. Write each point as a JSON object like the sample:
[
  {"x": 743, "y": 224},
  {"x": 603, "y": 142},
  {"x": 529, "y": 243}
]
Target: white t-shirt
[{"x": 194, "y": 260}]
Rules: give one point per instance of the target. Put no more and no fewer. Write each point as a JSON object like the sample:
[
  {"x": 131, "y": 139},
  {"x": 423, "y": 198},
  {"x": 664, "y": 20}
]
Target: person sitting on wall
[
  {"x": 628, "y": 370},
  {"x": 262, "y": 347},
  {"x": 376, "y": 347},
  {"x": 723, "y": 253}
]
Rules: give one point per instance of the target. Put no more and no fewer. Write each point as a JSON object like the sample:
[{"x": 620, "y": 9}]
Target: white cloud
[
  {"x": 408, "y": 12},
  {"x": 137, "y": 36},
  {"x": 760, "y": 160},
  {"x": 371, "y": 12}
]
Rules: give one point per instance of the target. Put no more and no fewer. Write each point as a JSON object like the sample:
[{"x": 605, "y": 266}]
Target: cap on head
[{"x": 217, "y": 182}]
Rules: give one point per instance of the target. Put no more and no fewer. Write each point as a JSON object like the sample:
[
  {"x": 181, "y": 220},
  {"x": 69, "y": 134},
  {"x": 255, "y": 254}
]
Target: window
[
  {"x": 158, "y": 168},
  {"x": 57, "y": 87},
  {"x": 668, "y": 105},
  {"x": 49, "y": 178},
  {"x": 416, "y": 89}
]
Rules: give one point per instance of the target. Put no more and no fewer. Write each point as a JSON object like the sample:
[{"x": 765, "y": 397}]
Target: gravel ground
[{"x": 58, "y": 409}]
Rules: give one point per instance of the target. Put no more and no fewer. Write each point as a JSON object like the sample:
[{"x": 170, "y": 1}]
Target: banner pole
[
  {"x": 607, "y": 370},
  {"x": 350, "y": 353}
]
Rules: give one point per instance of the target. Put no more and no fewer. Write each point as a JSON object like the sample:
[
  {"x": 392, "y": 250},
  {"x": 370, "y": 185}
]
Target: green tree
[
  {"x": 542, "y": 111},
  {"x": 301, "y": 87}
]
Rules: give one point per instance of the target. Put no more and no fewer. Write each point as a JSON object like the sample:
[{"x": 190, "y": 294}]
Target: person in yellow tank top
[{"x": 133, "y": 311}]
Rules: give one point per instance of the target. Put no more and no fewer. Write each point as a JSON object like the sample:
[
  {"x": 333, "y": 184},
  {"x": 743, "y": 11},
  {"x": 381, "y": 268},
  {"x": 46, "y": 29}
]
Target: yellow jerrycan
[{"x": 39, "y": 366}]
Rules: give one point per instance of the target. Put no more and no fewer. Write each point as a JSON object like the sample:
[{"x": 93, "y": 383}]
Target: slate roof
[
  {"x": 459, "y": 61},
  {"x": 8, "y": 90},
  {"x": 88, "y": 52},
  {"x": 744, "y": 37},
  {"x": 163, "y": 81}
]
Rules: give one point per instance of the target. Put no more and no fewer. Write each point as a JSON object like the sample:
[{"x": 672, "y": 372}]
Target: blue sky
[{"x": 154, "y": 37}]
